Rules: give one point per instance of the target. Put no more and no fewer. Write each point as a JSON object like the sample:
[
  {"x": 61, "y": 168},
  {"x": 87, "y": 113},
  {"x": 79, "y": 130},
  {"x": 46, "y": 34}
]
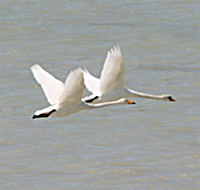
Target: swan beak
[
  {"x": 171, "y": 99},
  {"x": 130, "y": 102}
]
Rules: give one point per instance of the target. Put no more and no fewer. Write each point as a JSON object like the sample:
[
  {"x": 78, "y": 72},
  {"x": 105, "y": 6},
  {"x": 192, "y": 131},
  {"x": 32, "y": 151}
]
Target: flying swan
[
  {"x": 110, "y": 86},
  {"x": 65, "y": 99}
]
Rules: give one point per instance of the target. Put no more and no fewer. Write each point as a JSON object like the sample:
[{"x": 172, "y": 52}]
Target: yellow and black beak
[{"x": 130, "y": 102}]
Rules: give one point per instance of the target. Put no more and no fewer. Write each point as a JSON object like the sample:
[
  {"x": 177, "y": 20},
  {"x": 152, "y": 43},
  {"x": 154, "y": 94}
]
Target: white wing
[
  {"x": 91, "y": 82},
  {"x": 112, "y": 75},
  {"x": 74, "y": 87},
  {"x": 51, "y": 86}
]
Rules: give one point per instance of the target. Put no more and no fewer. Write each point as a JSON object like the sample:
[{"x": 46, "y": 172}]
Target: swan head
[
  {"x": 130, "y": 102},
  {"x": 125, "y": 101},
  {"x": 168, "y": 98}
]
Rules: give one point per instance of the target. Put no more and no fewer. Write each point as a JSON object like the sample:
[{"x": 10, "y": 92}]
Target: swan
[
  {"x": 110, "y": 86},
  {"x": 65, "y": 99}
]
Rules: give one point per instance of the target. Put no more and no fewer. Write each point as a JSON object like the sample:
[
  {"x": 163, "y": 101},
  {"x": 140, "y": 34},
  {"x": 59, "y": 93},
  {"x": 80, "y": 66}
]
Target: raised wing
[
  {"x": 112, "y": 75},
  {"x": 74, "y": 87},
  {"x": 91, "y": 82},
  {"x": 51, "y": 86}
]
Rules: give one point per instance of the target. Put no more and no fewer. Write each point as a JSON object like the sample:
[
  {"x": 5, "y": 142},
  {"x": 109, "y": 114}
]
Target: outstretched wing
[
  {"x": 51, "y": 86},
  {"x": 91, "y": 82},
  {"x": 74, "y": 87},
  {"x": 112, "y": 75}
]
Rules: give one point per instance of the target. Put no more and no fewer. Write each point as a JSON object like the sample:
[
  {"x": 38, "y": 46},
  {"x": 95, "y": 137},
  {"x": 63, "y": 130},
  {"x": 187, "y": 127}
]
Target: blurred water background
[{"x": 152, "y": 145}]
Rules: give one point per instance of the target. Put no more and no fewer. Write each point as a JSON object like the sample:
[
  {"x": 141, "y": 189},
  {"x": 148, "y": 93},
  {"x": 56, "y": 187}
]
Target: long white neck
[
  {"x": 132, "y": 93},
  {"x": 121, "y": 101}
]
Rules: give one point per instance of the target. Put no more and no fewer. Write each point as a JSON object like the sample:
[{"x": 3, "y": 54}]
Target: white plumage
[
  {"x": 65, "y": 99},
  {"x": 110, "y": 86}
]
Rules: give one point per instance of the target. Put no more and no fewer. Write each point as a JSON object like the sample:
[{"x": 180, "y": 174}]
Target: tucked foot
[
  {"x": 43, "y": 115},
  {"x": 91, "y": 100}
]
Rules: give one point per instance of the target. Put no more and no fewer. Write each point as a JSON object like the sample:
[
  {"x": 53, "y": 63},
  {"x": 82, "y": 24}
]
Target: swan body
[
  {"x": 110, "y": 86},
  {"x": 65, "y": 99}
]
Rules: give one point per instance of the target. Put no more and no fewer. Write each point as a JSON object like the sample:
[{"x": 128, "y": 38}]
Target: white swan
[
  {"x": 65, "y": 99},
  {"x": 110, "y": 86}
]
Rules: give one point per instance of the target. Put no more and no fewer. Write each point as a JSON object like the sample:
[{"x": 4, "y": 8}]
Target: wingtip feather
[
  {"x": 85, "y": 71},
  {"x": 35, "y": 67},
  {"x": 115, "y": 51},
  {"x": 77, "y": 71}
]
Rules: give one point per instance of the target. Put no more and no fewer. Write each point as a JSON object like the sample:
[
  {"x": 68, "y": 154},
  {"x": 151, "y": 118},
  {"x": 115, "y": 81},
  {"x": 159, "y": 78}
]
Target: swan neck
[{"x": 132, "y": 93}]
